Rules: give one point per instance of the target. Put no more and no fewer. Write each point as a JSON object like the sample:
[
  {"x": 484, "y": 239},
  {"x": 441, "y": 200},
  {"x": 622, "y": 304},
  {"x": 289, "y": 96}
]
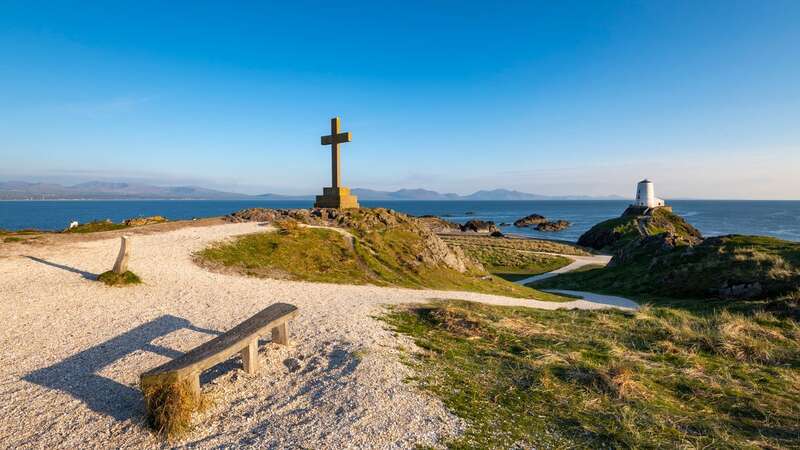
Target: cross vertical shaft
[{"x": 335, "y": 172}]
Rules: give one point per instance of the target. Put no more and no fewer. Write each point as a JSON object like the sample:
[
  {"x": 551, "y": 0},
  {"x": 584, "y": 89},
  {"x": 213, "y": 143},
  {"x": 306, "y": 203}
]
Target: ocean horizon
[{"x": 776, "y": 218}]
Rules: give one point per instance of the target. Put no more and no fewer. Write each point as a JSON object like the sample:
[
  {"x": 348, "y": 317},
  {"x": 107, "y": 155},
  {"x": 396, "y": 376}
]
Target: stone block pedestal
[{"x": 336, "y": 197}]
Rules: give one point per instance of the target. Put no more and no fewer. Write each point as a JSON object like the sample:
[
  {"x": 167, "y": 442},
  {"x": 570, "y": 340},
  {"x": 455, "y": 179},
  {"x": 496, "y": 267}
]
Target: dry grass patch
[
  {"x": 170, "y": 405},
  {"x": 528, "y": 245}
]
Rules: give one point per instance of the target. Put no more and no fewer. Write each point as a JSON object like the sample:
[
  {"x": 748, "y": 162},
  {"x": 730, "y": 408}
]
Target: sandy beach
[{"x": 72, "y": 349}]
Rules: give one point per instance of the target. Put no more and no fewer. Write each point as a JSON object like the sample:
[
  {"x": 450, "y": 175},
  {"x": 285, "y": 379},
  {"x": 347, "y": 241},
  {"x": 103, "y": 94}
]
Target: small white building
[{"x": 646, "y": 195}]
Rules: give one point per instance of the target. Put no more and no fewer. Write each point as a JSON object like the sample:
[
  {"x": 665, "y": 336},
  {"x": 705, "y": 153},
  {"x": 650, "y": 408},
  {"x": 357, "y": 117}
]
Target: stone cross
[
  {"x": 121, "y": 265},
  {"x": 334, "y": 139}
]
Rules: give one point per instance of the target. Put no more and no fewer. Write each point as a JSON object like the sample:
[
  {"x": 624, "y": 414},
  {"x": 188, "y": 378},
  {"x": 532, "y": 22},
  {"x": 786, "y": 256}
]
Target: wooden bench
[{"x": 243, "y": 339}]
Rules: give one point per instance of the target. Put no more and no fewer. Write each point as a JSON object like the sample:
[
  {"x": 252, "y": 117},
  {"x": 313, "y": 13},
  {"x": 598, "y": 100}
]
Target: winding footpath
[{"x": 577, "y": 263}]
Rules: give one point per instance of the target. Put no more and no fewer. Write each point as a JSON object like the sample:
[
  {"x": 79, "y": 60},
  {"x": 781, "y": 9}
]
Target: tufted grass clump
[
  {"x": 112, "y": 278},
  {"x": 170, "y": 404}
]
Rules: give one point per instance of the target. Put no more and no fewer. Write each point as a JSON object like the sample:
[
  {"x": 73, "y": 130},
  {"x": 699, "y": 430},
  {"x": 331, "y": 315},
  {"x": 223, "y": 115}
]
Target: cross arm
[{"x": 337, "y": 138}]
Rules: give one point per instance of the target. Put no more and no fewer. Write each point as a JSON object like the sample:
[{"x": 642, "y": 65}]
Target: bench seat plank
[{"x": 228, "y": 344}]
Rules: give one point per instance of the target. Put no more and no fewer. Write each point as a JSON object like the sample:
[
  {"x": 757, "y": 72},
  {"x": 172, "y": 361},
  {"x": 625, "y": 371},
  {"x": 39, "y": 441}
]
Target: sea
[{"x": 779, "y": 219}]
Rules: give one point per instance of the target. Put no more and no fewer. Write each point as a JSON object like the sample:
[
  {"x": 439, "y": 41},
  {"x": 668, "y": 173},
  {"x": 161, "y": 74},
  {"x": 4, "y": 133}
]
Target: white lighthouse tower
[{"x": 646, "y": 195}]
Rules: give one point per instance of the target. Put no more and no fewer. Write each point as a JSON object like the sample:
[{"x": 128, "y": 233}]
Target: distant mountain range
[{"x": 97, "y": 190}]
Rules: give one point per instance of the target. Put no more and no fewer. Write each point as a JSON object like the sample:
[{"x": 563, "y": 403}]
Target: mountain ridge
[{"x": 103, "y": 190}]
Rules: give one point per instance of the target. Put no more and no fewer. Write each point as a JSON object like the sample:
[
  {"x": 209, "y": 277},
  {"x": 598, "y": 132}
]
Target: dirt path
[{"x": 71, "y": 350}]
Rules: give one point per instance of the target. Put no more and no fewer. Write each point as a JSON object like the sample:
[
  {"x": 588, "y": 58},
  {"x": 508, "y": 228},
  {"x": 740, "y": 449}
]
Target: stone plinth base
[{"x": 339, "y": 198}]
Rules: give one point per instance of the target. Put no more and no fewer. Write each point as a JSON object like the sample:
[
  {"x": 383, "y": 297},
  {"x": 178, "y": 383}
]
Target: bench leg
[
  {"x": 194, "y": 379},
  {"x": 280, "y": 334},
  {"x": 250, "y": 357}
]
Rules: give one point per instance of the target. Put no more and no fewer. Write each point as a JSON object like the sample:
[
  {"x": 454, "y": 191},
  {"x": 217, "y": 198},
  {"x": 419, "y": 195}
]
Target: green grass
[
  {"x": 530, "y": 245},
  {"x": 658, "y": 378},
  {"x": 512, "y": 265},
  {"x": 96, "y": 226},
  {"x": 112, "y": 278},
  {"x": 10, "y": 239},
  {"x": 694, "y": 272},
  {"x": 383, "y": 257}
]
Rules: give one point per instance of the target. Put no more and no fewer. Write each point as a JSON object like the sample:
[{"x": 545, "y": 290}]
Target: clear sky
[{"x": 550, "y": 97}]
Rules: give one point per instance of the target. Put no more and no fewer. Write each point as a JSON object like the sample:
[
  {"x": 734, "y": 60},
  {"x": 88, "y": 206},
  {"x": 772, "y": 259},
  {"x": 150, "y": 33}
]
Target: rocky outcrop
[
  {"x": 558, "y": 225},
  {"x": 480, "y": 226},
  {"x": 439, "y": 225},
  {"x": 615, "y": 234},
  {"x": 430, "y": 250},
  {"x": 139, "y": 221},
  {"x": 533, "y": 219}
]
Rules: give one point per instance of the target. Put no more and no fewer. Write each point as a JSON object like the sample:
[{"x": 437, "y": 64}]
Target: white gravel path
[
  {"x": 577, "y": 263},
  {"x": 71, "y": 350}
]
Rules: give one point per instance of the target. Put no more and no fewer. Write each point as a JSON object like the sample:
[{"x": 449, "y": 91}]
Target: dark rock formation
[
  {"x": 479, "y": 226},
  {"x": 533, "y": 219},
  {"x": 558, "y": 225}
]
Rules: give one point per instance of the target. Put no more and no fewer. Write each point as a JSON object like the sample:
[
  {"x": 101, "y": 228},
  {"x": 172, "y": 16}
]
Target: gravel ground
[{"x": 71, "y": 351}]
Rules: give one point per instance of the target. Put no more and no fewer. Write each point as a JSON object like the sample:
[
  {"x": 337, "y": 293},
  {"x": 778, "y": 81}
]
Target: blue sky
[{"x": 544, "y": 97}]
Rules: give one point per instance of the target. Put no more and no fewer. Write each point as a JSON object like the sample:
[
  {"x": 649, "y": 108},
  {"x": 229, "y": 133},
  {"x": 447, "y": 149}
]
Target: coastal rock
[
  {"x": 139, "y": 221},
  {"x": 533, "y": 219},
  {"x": 558, "y": 225},
  {"x": 480, "y": 226}
]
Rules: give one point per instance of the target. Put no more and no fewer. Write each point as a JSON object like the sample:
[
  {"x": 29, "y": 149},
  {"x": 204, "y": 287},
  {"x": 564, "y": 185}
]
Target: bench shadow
[
  {"x": 83, "y": 273},
  {"x": 77, "y": 375}
]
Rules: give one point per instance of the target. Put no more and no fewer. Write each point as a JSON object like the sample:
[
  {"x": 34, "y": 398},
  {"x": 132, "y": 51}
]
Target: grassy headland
[
  {"x": 657, "y": 378},
  {"x": 380, "y": 247},
  {"x": 727, "y": 266}
]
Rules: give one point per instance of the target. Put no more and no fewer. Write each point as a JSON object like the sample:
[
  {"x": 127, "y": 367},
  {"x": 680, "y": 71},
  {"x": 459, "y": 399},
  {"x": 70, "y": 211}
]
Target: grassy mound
[
  {"x": 170, "y": 404},
  {"x": 96, "y": 226},
  {"x": 381, "y": 248},
  {"x": 112, "y": 278},
  {"x": 720, "y": 267},
  {"x": 658, "y": 378}
]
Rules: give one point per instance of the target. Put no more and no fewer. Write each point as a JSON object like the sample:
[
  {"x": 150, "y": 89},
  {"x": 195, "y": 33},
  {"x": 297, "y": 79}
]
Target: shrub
[{"x": 112, "y": 278}]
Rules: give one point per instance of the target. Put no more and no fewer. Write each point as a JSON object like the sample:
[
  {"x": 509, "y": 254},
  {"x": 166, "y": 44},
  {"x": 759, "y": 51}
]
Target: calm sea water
[{"x": 772, "y": 218}]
